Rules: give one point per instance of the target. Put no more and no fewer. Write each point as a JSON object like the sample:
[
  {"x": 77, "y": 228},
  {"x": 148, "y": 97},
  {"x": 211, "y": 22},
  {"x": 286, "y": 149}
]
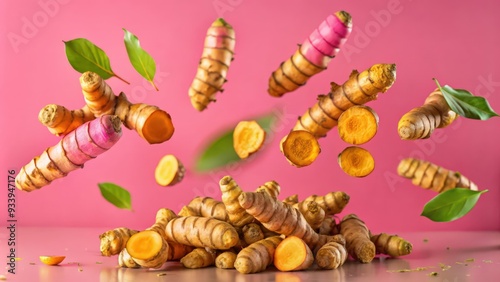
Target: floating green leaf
[
  {"x": 84, "y": 55},
  {"x": 465, "y": 104},
  {"x": 451, "y": 205},
  {"x": 220, "y": 151},
  {"x": 140, "y": 59},
  {"x": 116, "y": 195}
]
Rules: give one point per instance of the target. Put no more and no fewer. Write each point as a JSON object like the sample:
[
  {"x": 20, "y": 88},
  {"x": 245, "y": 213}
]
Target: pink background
[{"x": 454, "y": 42}]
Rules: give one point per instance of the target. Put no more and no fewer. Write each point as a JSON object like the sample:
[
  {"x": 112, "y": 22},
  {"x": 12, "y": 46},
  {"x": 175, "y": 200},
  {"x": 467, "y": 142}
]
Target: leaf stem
[
  {"x": 114, "y": 74},
  {"x": 437, "y": 83},
  {"x": 154, "y": 85}
]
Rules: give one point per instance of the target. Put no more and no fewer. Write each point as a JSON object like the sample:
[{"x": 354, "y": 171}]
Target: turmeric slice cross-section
[
  {"x": 248, "y": 138},
  {"x": 169, "y": 171},
  {"x": 300, "y": 148},
  {"x": 356, "y": 161},
  {"x": 358, "y": 125}
]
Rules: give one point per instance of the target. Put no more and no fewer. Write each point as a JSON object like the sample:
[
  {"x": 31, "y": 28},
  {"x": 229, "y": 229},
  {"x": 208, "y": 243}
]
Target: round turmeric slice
[
  {"x": 300, "y": 148},
  {"x": 356, "y": 161},
  {"x": 52, "y": 260},
  {"x": 358, "y": 125},
  {"x": 169, "y": 171},
  {"x": 248, "y": 138},
  {"x": 148, "y": 248}
]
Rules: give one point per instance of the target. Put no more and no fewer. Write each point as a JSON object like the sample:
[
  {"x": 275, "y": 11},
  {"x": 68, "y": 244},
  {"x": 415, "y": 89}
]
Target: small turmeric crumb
[
  {"x": 487, "y": 261},
  {"x": 444, "y": 267},
  {"x": 433, "y": 273},
  {"x": 426, "y": 240},
  {"x": 410, "y": 270},
  {"x": 161, "y": 274},
  {"x": 18, "y": 259},
  {"x": 98, "y": 262},
  {"x": 469, "y": 260}
]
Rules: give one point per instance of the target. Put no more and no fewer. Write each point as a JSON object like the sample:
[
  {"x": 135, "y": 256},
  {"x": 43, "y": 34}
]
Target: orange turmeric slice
[
  {"x": 248, "y": 138},
  {"x": 293, "y": 254},
  {"x": 52, "y": 260},
  {"x": 356, "y": 161},
  {"x": 358, "y": 125},
  {"x": 300, "y": 148},
  {"x": 148, "y": 248},
  {"x": 169, "y": 171}
]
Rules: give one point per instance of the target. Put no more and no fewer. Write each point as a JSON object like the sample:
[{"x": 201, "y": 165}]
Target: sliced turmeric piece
[
  {"x": 148, "y": 249},
  {"x": 248, "y": 138},
  {"x": 52, "y": 260},
  {"x": 358, "y": 125},
  {"x": 169, "y": 171},
  {"x": 356, "y": 161},
  {"x": 300, "y": 148},
  {"x": 293, "y": 254}
]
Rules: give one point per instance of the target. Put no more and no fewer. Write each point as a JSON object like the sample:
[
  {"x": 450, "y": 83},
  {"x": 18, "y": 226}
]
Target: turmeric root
[
  {"x": 359, "y": 89},
  {"x": 293, "y": 254},
  {"x": 420, "y": 122},
  {"x": 293, "y": 199},
  {"x": 202, "y": 232},
  {"x": 150, "y": 122},
  {"x": 169, "y": 171},
  {"x": 431, "y": 176},
  {"x": 356, "y": 161},
  {"x": 230, "y": 193},
  {"x": 248, "y": 138},
  {"x": 312, "y": 56},
  {"x": 214, "y": 64},
  {"x": 125, "y": 260},
  {"x": 148, "y": 249},
  {"x": 300, "y": 148},
  {"x": 391, "y": 245},
  {"x": 61, "y": 121},
  {"x": 312, "y": 212},
  {"x": 73, "y": 150},
  {"x": 358, "y": 125},
  {"x": 328, "y": 226},
  {"x": 252, "y": 233},
  {"x": 331, "y": 256},
  {"x": 357, "y": 237},
  {"x": 208, "y": 207},
  {"x": 271, "y": 187},
  {"x": 114, "y": 241},
  {"x": 199, "y": 258},
  {"x": 258, "y": 256},
  {"x": 226, "y": 260},
  {"x": 280, "y": 217},
  {"x": 333, "y": 202},
  {"x": 163, "y": 216}
]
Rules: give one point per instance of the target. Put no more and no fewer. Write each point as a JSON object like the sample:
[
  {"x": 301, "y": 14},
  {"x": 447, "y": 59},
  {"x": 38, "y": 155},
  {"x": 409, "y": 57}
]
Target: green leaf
[
  {"x": 465, "y": 104},
  {"x": 220, "y": 151},
  {"x": 84, "y": 56},
  {"x": 140, "y": 59},
  {"x": 116, "y": 195},
  {"x": 451, "y": 205}
]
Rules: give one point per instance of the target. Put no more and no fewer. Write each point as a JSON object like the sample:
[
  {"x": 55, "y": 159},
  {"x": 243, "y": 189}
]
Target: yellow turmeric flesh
[
  {"x": 420, "y": 122},
  {"x": 356, "y": 161},
  {"x": 431, "y": 176},
  {"x": 169, "y": 171},
  {"x": 151, "y": 123},
  {"x": 300, "y": 148},
  {"x": 148, "y": 249},
  {"x": 293, "y": 254},
  {"x": 359, "y": 89},
  {"x": 358, "y": 125},
  {"x": 248, "y": 138}
]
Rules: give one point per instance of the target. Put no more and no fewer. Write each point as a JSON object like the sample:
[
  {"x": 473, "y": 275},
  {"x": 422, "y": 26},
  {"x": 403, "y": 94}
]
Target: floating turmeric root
[
  {"x": 359, "y": 89},
  {"x": 431, "y": 176},
  {"x": 313, "y": 55},
  {"x": 420, "y": 122},
  {"x": 169, "y": 171},
  {"x": 356, "y": 161},
  {"x": 358, "y": 125},
  {"x": 214, "y": 64},
  {"x": 248, "y": 138},
  {"x": 151, "y": 123},
  {"x": 300, "y": 148}
]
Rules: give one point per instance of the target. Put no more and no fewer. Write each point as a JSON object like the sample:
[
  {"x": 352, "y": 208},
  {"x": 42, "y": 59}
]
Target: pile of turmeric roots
[{"x": 250, "y": 231}]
